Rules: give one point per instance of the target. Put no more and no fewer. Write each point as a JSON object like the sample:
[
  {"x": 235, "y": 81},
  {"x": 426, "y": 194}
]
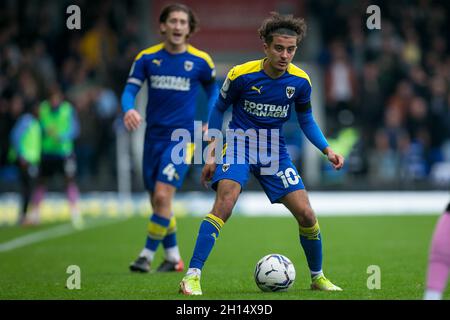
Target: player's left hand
[{"x": 336, "y": 159}]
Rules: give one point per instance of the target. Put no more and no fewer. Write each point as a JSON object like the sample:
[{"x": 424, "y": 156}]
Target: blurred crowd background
[{"x": 384, "y": 94}]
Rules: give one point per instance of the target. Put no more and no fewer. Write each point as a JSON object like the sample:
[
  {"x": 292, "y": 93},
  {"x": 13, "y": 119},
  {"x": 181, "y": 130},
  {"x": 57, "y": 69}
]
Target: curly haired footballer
[
  {"x": 283, "y": 25},
  {"x": 262, "y": 94}
]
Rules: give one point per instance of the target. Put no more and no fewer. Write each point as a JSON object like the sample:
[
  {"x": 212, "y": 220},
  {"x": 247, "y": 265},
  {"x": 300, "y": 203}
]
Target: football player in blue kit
[
  {"x": 263, "y": 94},
  {"x": 174, "y": 71}
]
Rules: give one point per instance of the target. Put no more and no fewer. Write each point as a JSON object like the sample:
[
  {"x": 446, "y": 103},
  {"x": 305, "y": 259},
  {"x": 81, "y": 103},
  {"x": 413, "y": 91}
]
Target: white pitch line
[{"x": 59, "y": 231}]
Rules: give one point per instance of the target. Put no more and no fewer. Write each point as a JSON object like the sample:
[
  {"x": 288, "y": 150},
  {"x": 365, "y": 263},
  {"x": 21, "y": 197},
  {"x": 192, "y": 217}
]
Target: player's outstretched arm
[{"x": 315, "y": 135}]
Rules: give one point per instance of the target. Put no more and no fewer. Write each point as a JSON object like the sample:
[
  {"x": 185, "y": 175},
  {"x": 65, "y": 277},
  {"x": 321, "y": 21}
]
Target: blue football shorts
[
  {"x": 284, "y": 180},
  {"x": 158, "y": 164}
]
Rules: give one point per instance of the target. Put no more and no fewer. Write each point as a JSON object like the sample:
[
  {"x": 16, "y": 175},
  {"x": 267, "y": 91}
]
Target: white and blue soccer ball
[{"x": 274, "y": 272}]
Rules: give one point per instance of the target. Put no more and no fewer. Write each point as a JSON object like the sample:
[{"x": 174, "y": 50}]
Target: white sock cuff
[
  {"x": 194, "y": 271},
  {"x": 173, "y": 254},
  {"x": 315, "y": 273},
  {"x": 148, "y": 254}
]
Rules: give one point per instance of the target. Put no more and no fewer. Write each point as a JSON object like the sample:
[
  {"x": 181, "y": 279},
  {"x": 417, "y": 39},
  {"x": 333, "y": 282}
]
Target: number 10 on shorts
[{"x": 289, "y": 177}]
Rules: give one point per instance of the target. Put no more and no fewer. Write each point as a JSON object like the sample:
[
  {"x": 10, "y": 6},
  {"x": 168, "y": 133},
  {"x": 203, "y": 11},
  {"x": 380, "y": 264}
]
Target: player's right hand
[
  {"x": 132, "y": 120},
  {"x": 207, "y": 173},
  {"x": 337, "y": 161}
]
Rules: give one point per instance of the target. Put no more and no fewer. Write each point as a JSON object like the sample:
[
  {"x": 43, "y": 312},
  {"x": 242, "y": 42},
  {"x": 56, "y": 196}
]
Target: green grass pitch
[{"x": 397, "y": 244}]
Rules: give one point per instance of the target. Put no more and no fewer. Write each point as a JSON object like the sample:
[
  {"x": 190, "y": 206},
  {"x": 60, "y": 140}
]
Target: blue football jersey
[
  {"x": 259, "y": 101},
  {"x": 173, "y": 84}
]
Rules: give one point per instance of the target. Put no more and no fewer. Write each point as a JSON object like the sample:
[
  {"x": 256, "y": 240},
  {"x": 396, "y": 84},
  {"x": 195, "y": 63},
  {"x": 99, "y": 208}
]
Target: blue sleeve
[
  {"x": 129, "y": 96},
  {"x": 138, "y": 72},
  {"x": 207, "y": 70},
  {"x": 208, "y": 81},
  {"x": 304, "y": 95},
  {"x": 311, "y": 129},
  {"x": 135, "y": 80},
  {"x": 212, "y": 92},
  {"x": 215, "y": 120}
]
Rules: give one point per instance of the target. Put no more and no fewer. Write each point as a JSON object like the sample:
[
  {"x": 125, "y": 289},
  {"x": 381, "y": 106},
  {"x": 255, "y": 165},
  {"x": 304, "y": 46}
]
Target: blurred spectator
[
  {"x": 25, "y": 153},
  {"x": 99, "y": 47},
  {"x": 384, "y": 160},
  {"x": 87, "y": 140},
  {"x": 417, "y": 122},
  {"x": 401, "y": 99},
  {"x": 419, "y": 80},
  {"x": 411, "y": 52},
  {"x": 439, "y": 118},
  {"x": 106, "y": 109},
  {"x": 413, "y": 166},
  {"x": 6, "y": 125},
  {"x": 60, "y": 127},
  {"x": 394, "y": 128},
  {"x": 43, "y": 63},
  {"x": 340, "y": 88},
  {"x": 371, "y": 113}
]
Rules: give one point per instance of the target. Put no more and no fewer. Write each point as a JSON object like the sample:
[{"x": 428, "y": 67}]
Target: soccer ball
[{"x": 274, "y": 272}]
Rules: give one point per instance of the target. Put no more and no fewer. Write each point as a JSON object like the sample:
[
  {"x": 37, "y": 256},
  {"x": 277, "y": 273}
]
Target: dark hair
[
  {"x": 282, "y": 24},
  {"x": 167, "y": 10}
]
